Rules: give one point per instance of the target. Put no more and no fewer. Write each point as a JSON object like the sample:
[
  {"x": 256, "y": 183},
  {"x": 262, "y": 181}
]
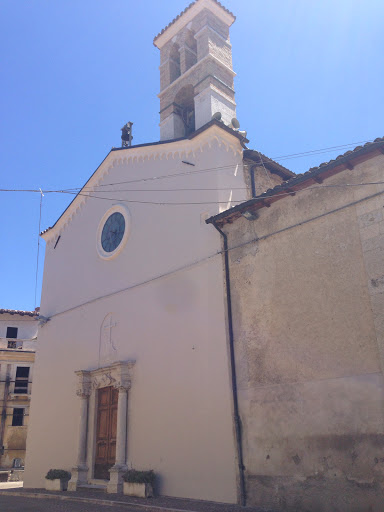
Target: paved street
[
  {"x": 18, "y": 504},
  {"x": 39, "y": 500}
]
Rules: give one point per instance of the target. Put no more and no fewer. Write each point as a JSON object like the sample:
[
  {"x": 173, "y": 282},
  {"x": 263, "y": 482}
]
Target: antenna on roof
[{"x": 217, "y": 116}]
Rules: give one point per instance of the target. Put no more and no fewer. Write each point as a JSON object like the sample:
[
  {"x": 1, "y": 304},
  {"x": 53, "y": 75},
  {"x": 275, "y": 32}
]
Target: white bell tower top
[{"x": 196, "y": 74}]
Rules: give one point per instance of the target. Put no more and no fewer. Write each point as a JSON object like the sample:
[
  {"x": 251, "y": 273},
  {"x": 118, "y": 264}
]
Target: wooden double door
[{"x": 106, "y": 431}]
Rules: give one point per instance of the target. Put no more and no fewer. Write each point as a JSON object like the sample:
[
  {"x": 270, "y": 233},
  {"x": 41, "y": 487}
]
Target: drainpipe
[
  {"x": 236, "y": 416},
  {"x": 253, "y": 186}
]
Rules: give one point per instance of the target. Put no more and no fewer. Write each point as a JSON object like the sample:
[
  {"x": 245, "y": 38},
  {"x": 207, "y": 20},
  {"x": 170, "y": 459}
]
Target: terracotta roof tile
[
  {"x": 299, "y": 178},
  {"x": 183, "y": 12},
  {"x": 18, "y": 312},
  {"x": 261, "y": 159},
  {"x": 45, "y": 230}
]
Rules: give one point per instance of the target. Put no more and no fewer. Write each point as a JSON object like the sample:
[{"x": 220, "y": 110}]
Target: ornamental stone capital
[
  {"x": 84, "y": 384},
  {"x": 123, "y": 385},
  {"x": 83, "y": 393}
]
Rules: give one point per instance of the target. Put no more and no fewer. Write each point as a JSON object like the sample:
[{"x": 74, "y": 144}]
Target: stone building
[
  {"x": 305, "y": 274},
  {"x": 18, "y": 337},
  {"x": 261, "y": 384}
]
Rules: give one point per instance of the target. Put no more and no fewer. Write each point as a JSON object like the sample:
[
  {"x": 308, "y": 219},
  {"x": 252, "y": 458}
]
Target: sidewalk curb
[{"x": 95, "y": 501}]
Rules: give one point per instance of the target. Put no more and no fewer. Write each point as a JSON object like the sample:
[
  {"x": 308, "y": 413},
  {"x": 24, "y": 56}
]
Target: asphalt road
[{"x": 19, "y": 504}]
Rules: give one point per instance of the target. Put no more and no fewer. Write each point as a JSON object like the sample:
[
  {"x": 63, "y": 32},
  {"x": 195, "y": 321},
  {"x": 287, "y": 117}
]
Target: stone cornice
[
  {"x": 186, "y": 17},
  {"x": 208, "y": 27},
  {"x": 192, "y": 69},
  {"x": 174, "y": 150}
]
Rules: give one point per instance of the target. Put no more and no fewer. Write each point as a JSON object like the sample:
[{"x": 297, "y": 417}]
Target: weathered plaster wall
[
  {"x": 264, "y": 179},
  {"x": 179, "y": 408},
  {"x": 14, "y": 437},
  {"x": 308, "y": 317}
]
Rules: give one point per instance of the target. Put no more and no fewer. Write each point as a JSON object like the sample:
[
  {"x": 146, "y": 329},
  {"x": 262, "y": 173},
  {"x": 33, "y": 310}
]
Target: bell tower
[{"x": 196, "y": 74}]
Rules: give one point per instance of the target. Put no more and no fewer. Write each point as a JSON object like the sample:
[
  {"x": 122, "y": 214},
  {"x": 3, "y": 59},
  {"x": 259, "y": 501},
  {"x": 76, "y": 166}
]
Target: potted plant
[
  {"x": 139, "y": 483},
  {"x": 57, "y": 480}
]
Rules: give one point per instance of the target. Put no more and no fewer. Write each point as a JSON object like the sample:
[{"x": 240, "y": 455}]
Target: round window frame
[{"x": 120, "y": 208}]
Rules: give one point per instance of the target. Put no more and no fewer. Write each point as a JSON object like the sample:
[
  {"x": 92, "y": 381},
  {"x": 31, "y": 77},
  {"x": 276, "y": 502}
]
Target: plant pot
[
  {"x": 56, "y": 485},
  {"x": 138, "y": 490}
]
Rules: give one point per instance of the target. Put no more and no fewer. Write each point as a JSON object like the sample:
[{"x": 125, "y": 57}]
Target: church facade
[{"x": 135, "y": 336}]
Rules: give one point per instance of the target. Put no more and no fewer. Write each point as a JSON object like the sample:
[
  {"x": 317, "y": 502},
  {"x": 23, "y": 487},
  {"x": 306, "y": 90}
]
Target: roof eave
[
  {"x": 270, "y": 164},
  {"x": 18, "y": 312},
  {"x": 341, "y": 163},
  {"x": 47, "y": 233}
]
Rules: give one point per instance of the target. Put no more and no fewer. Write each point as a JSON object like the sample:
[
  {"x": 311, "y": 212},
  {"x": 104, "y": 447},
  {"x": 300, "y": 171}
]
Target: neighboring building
[
  {"x": 18, "y": 336},
  {"x": 306, "y": 267}
]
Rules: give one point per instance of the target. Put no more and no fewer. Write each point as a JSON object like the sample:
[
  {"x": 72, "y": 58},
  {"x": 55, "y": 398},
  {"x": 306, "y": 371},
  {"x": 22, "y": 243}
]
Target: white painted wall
[
  {"x": 180, "y": 421},
  {"x": 27, "y": 327}
]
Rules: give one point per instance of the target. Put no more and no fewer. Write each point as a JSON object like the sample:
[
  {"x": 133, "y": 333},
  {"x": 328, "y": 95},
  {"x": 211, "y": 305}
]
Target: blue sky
[{"x": 309, "y": 75}]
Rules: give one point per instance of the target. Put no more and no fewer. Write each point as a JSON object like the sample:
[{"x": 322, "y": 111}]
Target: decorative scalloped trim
[{"x": 150, "y": 153}]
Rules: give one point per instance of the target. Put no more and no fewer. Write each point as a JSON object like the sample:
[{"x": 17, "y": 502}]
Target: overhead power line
[
  {"x": 255, "y": 199},
  {"x": 176, "y": 173},
  {"x": 322, "y": 150},
  {"x": 215, "y": 254},
  {"x": 182, "y": 203}
]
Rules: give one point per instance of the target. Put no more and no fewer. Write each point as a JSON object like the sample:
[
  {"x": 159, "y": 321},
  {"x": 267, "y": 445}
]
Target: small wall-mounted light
[{"x": 249, "y": 215}]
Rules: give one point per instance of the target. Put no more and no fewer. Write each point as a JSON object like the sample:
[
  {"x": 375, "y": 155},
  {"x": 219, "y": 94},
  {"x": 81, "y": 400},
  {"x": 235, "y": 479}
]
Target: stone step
[{"x": 93, "y": 487}]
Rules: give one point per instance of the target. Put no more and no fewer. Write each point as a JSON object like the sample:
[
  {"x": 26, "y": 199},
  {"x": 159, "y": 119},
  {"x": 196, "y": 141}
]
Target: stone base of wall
[{"x": 314, "y": 494}]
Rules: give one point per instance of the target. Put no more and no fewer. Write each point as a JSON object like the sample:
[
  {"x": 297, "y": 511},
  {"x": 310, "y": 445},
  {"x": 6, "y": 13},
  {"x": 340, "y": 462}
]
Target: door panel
[{"x": 106, "y": 431}]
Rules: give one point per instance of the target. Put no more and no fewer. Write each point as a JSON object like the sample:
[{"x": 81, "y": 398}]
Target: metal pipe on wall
[{"x": 236, "y": 415}]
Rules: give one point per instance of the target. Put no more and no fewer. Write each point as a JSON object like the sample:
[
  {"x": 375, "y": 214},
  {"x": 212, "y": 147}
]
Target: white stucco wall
[
  {"x": 180, "y": 421},
  {"x": 26, "y": 325}
]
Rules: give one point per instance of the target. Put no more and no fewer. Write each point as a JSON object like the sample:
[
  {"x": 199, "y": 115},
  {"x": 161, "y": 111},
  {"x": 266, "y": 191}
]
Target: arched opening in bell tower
[
  {"x": 174, "y": 62},
  {"x": 190, "y": 49},
  {"x": 185, "y": 108}
]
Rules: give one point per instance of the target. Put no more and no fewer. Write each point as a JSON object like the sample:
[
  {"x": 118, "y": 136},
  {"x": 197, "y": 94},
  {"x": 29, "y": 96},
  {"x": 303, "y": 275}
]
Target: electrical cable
[
  {"x": 268, "y": 175},
  {"x": 159, "y": 203},
  {"x": 322, "y": 150},
  {"x": 293, "y": 155},
  {"x": 254, "y": 200},
  {"x": 176, "y": 174},
  {"x": 218, "y": 253}
]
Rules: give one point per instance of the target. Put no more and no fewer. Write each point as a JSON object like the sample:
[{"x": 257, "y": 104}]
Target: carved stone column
[
  {"x": 80, "y": 471},
  {"x": 123, "y": 384},
  {"x": 121, "y": 435}
]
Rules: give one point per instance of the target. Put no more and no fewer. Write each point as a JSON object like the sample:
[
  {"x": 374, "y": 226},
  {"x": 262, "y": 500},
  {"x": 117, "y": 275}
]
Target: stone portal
[{"x": 102, "y": 446}]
